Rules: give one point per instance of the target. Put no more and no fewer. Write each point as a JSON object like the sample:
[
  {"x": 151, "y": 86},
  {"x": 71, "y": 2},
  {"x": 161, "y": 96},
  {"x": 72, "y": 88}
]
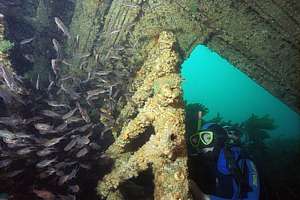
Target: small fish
[
  {"x": 64, "y": 164},
  {"x": 95, "y": 146},
  {"x": 45, "y": 163},
  {"x": 29, "y": 57},
  {"x": 131, "y": 5},
  {"x": 103, "y": 73},
  {"x": 43, "y": 127},
  {"x": 71, "y": 144},
  {"x": 10, "y": 81},
  {"x": 66, "y": 197},
  {"x": 53, "y": 141},
  {"x": 14, "y": 173},
  {"x": 66, "y": 63},
  {"x": 106, "y": 129},
  {"x": 50, "y": 86},
  {"x": 84, "y": 128},
  {"x": 26, "y": 41},
  {"x": 44, "y": 194},
  {"x": 118, "y": 47},
  {"x": 37, "y": 85},
  {"x": 57, "y": 48},
  {"x": 95, "y": 92},
  {"x": 25, "y": 151},
  {"x": 85, "y": 56},
  {"x": 115, "y": 31},
  {"x": 74, "y": 95},
  {"x": 50, "y": 113},
  {"x": 74, "y": 188},
  {"x": 5, "y": 163},
  {"x": 61, "y": 127},
  {"x": 83, "y": 65},
  {"x": 83, "y": 113},
  {"x": 56, "y": 104},
  {"x": 65, "y": 178},
  {"x": 62, "y": 27},
  {"x": 9, "y": 135},
  {"x": 73, "y": 119},
  {"x": 45, "y": 152},
  {"x": 82, "y": 152},
  {"x": 77, "y": 39},
  {"x": 83, "y": 140},
  {"x": 13, "y": 121},
  {"x": 69, "y": 114},
  {"x": 85, "y": 166},
  {"x": 55, "y": 65}
]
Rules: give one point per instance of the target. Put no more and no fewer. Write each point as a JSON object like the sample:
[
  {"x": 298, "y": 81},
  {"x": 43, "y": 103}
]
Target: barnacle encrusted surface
[{"x": 159, "y": 99}]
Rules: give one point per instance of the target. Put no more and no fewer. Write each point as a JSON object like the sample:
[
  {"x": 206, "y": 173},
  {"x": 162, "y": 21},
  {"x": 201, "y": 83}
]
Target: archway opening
[{"x": 270, "y": 129}]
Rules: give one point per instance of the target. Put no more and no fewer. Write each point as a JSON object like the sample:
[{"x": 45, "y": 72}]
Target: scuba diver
[{"x": 232, "y": 174}]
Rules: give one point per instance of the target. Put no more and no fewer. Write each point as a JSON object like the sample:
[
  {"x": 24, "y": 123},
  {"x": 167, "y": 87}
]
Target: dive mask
[{"x": 202, "y": 139}]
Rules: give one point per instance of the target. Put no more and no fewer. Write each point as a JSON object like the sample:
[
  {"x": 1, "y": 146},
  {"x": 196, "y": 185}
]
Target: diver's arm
[
  {"x": 253, "y": 181},
  {"x": 197, "y": 192}
]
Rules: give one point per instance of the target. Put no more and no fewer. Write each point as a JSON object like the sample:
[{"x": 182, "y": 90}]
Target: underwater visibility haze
[{"x": 100, "y": 99}]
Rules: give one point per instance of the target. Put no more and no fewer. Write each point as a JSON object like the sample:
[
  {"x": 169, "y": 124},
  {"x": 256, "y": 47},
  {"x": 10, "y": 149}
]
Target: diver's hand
[{"x": 197, "y": 192}]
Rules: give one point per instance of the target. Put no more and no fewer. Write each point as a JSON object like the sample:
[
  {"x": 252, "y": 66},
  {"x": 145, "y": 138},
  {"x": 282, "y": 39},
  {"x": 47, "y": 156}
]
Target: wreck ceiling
[{"x": 260, "y": 37}]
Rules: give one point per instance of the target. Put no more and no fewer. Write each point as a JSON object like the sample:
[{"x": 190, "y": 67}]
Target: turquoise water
[{"x": 211, "y": 80}]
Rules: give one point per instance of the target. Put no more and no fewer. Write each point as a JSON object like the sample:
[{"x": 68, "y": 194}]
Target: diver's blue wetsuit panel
[{"x": 226, "y": 187}]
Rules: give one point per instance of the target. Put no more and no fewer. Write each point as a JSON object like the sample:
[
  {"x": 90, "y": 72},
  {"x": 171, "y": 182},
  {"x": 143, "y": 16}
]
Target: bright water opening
[
  {"x": 271, "y": 135},
  {"x": 222, "y": 88}
]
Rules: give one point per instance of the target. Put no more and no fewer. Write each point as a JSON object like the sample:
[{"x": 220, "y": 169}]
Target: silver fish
[
  {"x": 95, "y": 146},
  {"x": 12, "y": 121},
  {"x": 10, "y": 81},
  {"x": 56, "y": 104},
  {"x": 96, "y": 92},
  {"x": 102, "y": 73},
  {"x": 44, "y": 194},
  {"x": 71, "y": 144},
  {"x": 106, "y": 129},
  {"x": 25, "y": 151},
  {"x": 50, "y": 86},
  {"x": 73, "y": 119},
  {"x": 57, "y": 48},
  {"x": 84, "y": 113},
  {"x": 85, "y": 56},
  {"x": 118, "y": 47},
  {"x": 45, "y": 152},
  {"x": 65, "y": 178},
  {"x": 61, "y": 127},
  {"x": 64, "y": 164},
  {"x": 62, "y": 27},
  {"x": 43, "y": 127},
  {"x": 5, "y": 163},
  {"x": 69, "y": 114},
  {"x": 26, "y": 41},
  {"x": 9, "y": 135},
  {"x": 37, "y": 85},
  {"x": 55, "y": 65},
  {"x": 50, "y": 113},
  {"x": 84, "y": 128},
  {"x": 82, "y": 152},
  {"x": 45, "y": 163},
  {"x": 29, "y": 57},
  {"x": 83, "y": 65},
  {"x": 14, "y": 173},
  {"x": 74, "y": 188},
  {"x": 74, "y": 95},
  {"x": 53, "y": 141}
]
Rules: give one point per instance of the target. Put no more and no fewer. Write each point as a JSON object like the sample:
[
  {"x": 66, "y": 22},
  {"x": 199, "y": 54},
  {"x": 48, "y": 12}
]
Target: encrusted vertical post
[{"x": 158, "y": 100}]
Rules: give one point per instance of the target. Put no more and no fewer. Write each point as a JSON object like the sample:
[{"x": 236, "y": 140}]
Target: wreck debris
[{"x": 165, "y": 151}]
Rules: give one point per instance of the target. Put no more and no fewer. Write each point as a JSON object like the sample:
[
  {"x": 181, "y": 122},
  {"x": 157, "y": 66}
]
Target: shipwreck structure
[
  {"x": 143, "y": 42},
  {"x": 156, "y": 102}
]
